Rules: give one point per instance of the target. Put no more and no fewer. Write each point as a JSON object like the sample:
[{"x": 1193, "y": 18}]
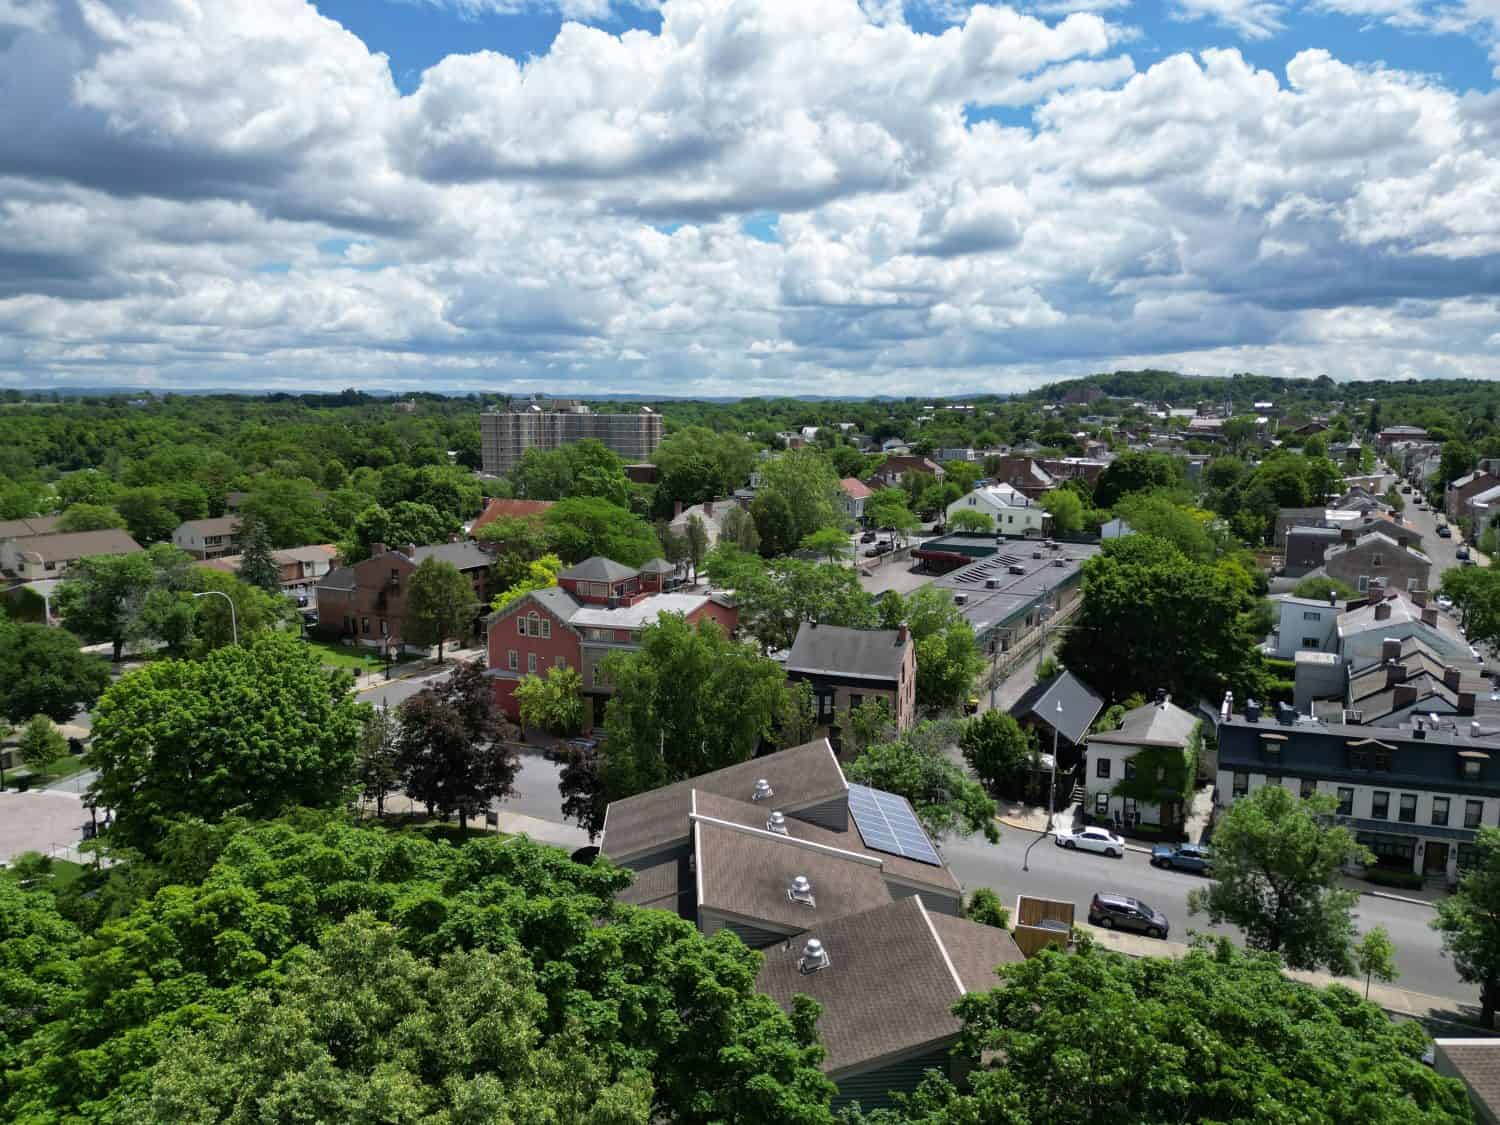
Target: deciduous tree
[
  {"x": 1375, "y": 958},
  {"x": 40, "y": 743},
  {"x": 1469, "y": 920},
  {"x": 43, "y": 671},
  {"x": 944, "y": 798},
  {"x": 999, "y": 752},
  {"x": 554, "y": 702},
  {"x": 453, "y": 758},
  {"x": 102, "y": 595},
  {"x": 1276, "y": 865},
  {"x": 440, "y": 604},
  {"x": 378, "y": 770},
  {"x": 584, "y": 526},
  {"x": 90, "y": 517}
]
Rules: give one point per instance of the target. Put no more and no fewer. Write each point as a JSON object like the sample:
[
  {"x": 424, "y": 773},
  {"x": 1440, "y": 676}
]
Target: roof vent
[
  {"x": 776, "y": 822},
  {"x": 960, "y": 599},
  {"x": 1252, "y": 711},
  {"x": 1036, "y": 554},
  {"x": 814, "y": 957},
  {"x": 763, "y": 790},
  {"x": 801, "y": 891},
  {"x": 1017, "y": 568},
  {"x": 994, "y": 583},
  {"x": 1474, "y": 729}
]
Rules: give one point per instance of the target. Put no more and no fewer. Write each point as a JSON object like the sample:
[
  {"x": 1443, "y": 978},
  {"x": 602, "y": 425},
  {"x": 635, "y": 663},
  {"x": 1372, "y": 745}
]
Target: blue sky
[{"x": 744, "y": 196}]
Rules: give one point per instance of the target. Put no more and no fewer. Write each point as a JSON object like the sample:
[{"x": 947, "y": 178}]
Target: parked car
[
  {"x": 1197, "y": 858},
  {"x": 1121, "y": 912},
  {"x": 1094, "y": 839},
  {"x": 1444, "y": 602},
  {"x": 1461, "y": 552},
  {"x": 869, "y": 536},
  {"x": 1444, "y": 531},
  {"x": 1406, "y": 488}
]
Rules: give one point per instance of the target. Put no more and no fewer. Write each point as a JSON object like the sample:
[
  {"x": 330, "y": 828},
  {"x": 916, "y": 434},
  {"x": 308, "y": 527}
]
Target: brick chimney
[
  {"x": 1465, "y": 703},
  {"x": 1404, "y": 695},
  {"x": 1382, "y": 611},
  {"x": 1395, "y": 674},
  {"x": 1402, "y": 541},
  {"x": 1390, "y": 649},
  {"x": 1419, "y": 598},
  {"x": 902, "y": 633},
  {"x": 409, "y": 550},
  {"x": 1430, "y": 616},
  {"x": 1451, "y": 677}
]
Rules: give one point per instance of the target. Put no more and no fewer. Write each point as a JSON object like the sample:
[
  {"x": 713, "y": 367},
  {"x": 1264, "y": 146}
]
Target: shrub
[{"x": 1391, "y": 877}]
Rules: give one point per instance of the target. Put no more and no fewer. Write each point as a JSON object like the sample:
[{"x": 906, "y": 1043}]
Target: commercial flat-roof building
[{"x": 506, "y": 436}]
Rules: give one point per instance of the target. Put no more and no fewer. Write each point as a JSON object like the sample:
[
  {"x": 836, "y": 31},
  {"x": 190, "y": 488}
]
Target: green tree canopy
[
  {"x": 440, "y": 604},
  {"x": 999, "y": 752},
  {"x": 554, "y": 702},
  {"x": 1136, "y": 472},
  {"x": 1475, "y": 590},
  {"x": 584, "y": 526},
  {"x": 800, "y": 490},
  {"x": 255, "y": 728},
  {"x": 945, "y": 799},
  {"x": 776, "y": 597},
  {"x": 43, "y": 671},
  {"x": 1067, "y": 510},
  {"x": 101, "y": 597},
  {"x": 90, "y": 517},
  {"x": 289, "y": 511},
  {"x": 973, "y": 520},
  {"x": 41, "y": 744},
  {"x": 1276, "y": 876},
  {"x": 1469, "y": 921},
  {"x": 258, "y": 567},
  {"x": 1321, "y": 587},
  {"x": 406, "y": 522}
]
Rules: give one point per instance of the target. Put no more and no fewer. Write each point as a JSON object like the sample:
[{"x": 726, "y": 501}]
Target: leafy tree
[
  {"x": 972, "y": 520},
  {"x": 803, "y": 487},
  {"x": 1321, "y": 587},
  {"x": 255, "y": 611},
  {"x": 737, "y": 529},
  {"x": 695, "y": 537},
  {"x": 887, "y": 507},
  {"x": 1185, "y": 528},
  {"x": 829, "y": 542},
  {"x": 863, "y": 726},
  {"x": 948, "y": 656},
  {"x": 584, "y": 800},
  {"x": 1375, "y": 958},
  {"x": 1469, "y": 920},
  {"x": 148, "y": 514},
  {"x": 258, "y": 567},
  {"x": 984, "y": 906},
  {"x": 775, "y": 523},
  {"x": 517, "y": 542},
  {"x": 944, "y": 798},
  {"x": 580, "y": 468},
  {"x": 1153, "y": 618},
  {"x": 289, "y": 511},
  {"x": 440, "y": 604},
  {"x": 1219, "y": 1035},
  {"x": 698, "y": 463},
  {"x": 378, "y": 770},
  {"x": 405, "y": 522},
  {"x": 1276, "y": 867},
  {"x": 688, "y": 701},
  {"x": 1457, "y": 460},
  {"x": 553, "y": 703},
  {"x": 775, "y": 598},
  {"x": 1066, "y": 509},
  {"x": 797, "y": 716},
  {"x": 1136, "y": 472},
  {"x": 86, "y": 487},
  {"x": 452, "y": 753},
  {"x": 90, "y": 517},
  {"x": 255, "y": 728},
  {"x": 582, "y": 527},
  {"x": 41, "y": 744},
  {"x": 540, "y": 574},
  {"x": 101, "y": 597},
  {"x": 1475, "y": 590},
  {"x": 44, "y": 672},
  {"x": 999, "y": 751}
]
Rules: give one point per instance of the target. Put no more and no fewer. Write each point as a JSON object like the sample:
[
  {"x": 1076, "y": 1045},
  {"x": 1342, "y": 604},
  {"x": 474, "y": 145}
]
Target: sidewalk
[
  {"x": 419, "y": 669},
  {"x": 1397, "y": 1001}
]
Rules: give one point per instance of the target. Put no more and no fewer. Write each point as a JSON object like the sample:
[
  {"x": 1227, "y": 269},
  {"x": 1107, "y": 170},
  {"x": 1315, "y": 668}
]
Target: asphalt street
[{"x": 1072, "y": 876}]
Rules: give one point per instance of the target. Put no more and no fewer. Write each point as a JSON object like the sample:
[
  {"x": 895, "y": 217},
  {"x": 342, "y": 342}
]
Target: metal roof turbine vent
[
  {"x": 814, "y": 957},
  {"x": 763, "y": 791},
  {"x": 776, "y": 822},
  {"x": 801, "y": 891}
]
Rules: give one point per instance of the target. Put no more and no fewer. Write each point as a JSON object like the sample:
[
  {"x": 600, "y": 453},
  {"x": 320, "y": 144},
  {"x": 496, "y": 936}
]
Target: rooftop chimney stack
[
  {"x": 1161, "y": 697},
  {"x": 763, "y": 790},
  {"x": 1450, "y": 676},
  {"x": 1430, "y": 616},
  {"x": 1390, "y": 649},
  {"x": 1382, "y": 611},
  {"x": 902, "y": 633},
  {"x": 814, "y": 957},
  {"x": 1333, "y": 599}
]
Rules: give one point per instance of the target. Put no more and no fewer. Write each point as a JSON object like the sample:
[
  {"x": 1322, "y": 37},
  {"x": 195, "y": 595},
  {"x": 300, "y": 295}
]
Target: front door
[{"x": 1435, "y": 862}]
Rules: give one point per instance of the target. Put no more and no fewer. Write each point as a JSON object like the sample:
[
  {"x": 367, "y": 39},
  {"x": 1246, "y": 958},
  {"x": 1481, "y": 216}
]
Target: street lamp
[
  {"x": 234, "y": 628},
  {"x": 1051, "y": 795}
]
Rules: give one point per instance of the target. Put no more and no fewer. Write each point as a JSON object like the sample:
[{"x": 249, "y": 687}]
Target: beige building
[
  {"x": 210, "y": 538},
  {"x": 48, "y": 556},
  {"x": 506, "y": 436}
]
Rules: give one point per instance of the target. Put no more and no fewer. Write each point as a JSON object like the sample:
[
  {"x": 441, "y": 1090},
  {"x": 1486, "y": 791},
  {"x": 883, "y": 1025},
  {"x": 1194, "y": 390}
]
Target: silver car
[{"x": 1093, "y": 839}]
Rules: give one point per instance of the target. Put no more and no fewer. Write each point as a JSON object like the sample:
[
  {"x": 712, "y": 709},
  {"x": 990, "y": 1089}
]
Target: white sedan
[
  {"x": 1444, "y": 601},
  {"x": 1093, "y": 840}
]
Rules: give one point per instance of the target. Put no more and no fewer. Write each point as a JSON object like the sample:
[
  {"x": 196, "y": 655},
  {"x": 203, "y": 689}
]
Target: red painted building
[{"x": 597, "y": 607}]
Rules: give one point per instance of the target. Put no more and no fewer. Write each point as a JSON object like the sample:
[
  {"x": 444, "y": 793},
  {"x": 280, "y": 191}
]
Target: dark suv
[{"x": 1121, "y": 912}]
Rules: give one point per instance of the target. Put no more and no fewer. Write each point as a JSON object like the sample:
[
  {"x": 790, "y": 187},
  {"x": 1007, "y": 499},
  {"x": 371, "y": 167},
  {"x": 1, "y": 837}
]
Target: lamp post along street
[
  {"x": 234, "y": 627},
  {"x": 1051, "y": 796}
]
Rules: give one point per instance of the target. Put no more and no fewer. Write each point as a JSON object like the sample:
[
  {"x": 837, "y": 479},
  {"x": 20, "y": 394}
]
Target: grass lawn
[
  {"x": 63, "y": 872},
  {"x": 66, "y": 766},
  {"x": 347, "y": 656}
]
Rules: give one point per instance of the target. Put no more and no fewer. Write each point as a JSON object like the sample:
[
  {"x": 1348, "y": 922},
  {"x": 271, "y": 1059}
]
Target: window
[
  {"x": 364, "y": 626},
  {"x": 1101, "y": 804},
  {"x": 825, "y": 707},
  {"x": 513, "y": 661},
  {"x": 1390, "y": 851},
  {"x": 1241, "y": 783},
  {"x": 1308, "y": 787},
  {"x": 521, "y": 626},
  {"x": 855, "y": 701},
  {"x": 1364, "y": 583},
  {"x": 546, "y": 628},
  {"x": 1380, "y": 805},
  {"x": 559, "y": 662},
  {"x": 1440, "y": 810},
  {"x": 1101, "y": 768},
  {"x": 1408, "y": 811},
  {"x": 1129, "y": 769},
  {"x": 1359, "y": 759},
  {"x": 1311, "y": 615},
  {"x": 1377, "y": 559},
  {"x": 1471, "y": 767},
  {"x": 531, "y": 662},
  {"x": 1383, "y": 760},
  {"x": 1473, "y": 813},
  {"x": 1311, "y": 642},
  {"x": 1346, "y": 801},
  {"x": 533, "y": 625}
]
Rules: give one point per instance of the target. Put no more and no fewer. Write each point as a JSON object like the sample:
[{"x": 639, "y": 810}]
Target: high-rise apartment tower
[{"x": 505, "y": 436}]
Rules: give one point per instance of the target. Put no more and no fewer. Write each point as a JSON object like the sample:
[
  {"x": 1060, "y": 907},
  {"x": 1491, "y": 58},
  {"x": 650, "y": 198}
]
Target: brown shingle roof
[
  {"x": 77, "y": 545},
  {"x": 656, "y": 886},
  {"x": 744, "y": 873},
  {"x": 1477, "y": 1063},
  {"x": 26, "y": 528},
  {"x": 896, "y": 867},
  {"x": 515, "y": 509},
  {"x": 894, "y": 975},
  {"x": 800, "y": 776}
]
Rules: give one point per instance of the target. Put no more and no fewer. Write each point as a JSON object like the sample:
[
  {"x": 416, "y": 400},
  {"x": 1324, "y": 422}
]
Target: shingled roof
[
  {"x": 1080, "y": 705},
  {"x": 832, "y": 650},
  {"x": 599, "y": 569}
]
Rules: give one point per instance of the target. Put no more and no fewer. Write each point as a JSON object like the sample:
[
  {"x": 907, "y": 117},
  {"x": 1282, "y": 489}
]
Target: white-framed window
[
  {"x": 531, "y": 663},
  {"x": 1364, "y": 583},
  {"x": 533, "y": 624},
  {"x": 1311, "y": 642},
  {"x": 1311, "y": 615},
  {"x": 513, "y": 660},
  {"x": 521, "y": 626},
  {"x": 546, "y": 628}
]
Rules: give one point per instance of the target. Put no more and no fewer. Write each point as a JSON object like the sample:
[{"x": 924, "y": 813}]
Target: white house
[
  {"x": 1111, "y": 759},
  {"x": 1305, "y": 624},
  {"x": 1010, "y": 511},
  {"x": 210, "y": 538},
  {"x": 852, "y": 496}
]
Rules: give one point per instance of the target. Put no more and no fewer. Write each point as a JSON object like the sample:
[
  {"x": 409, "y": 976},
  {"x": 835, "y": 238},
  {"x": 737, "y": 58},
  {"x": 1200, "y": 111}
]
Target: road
[{"x": 1075, "y": 876}]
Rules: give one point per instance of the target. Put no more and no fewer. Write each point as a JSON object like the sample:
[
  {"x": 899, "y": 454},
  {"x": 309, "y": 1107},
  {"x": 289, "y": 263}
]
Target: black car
[
  {"x": 869, "y": 537},
  {"x": 1121, "y": 912},
  {"x": 1444, "y": 531},
  {"x": 1462, "y": 552}
]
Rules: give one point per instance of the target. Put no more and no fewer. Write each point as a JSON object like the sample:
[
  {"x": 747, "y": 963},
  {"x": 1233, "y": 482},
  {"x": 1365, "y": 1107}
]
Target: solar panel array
[{"x": 887, "y": 824}]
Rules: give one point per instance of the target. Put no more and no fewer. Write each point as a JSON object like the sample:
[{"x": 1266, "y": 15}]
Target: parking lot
[{"x": 43, "y": 820}]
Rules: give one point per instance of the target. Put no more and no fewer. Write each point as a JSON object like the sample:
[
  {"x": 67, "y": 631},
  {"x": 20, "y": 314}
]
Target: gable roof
[
  {"x": 339, "y": 578},
  {"x": 514, "y": 509},
  {"x": 800, "y": 777},
  {"x": 598, "y": 569},
  {"x": 1373, "y": 538},
  {"x": 464, "y": 555},
  {"x": 26, "y": 528},
  {"x": 1080, "y": 705},
  {"x": 658, "y": 566},
  {"x": 855, "y": 489},
  {"x": 1154, "y": 724},
  {"x": 894, "y": 974},
  {"x": 833, "y": 650},
  {"x": 214, "y": 525},
  {"x": 65, "y": 545}
]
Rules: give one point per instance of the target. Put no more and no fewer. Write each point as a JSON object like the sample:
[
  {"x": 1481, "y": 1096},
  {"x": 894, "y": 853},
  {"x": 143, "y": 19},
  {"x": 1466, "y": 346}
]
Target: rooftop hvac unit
[
  {"x": 1017, "y": 568},
  {"x": 1036, "y": 554},
  {"x": 960, "y": 599},
  {"x": 992, "y": 583}
]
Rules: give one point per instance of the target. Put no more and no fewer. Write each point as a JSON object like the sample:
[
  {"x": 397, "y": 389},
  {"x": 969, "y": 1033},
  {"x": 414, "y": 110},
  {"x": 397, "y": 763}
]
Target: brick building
[{"x": 367, "y": 601}]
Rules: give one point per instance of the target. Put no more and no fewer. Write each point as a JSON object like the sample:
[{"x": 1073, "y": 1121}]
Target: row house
[
  {"x": 366, "y": 602},
  {"x": 1415, "y": 795},
  {"x": 597, "y": 607},
  {"x": 1458, "y": 493},
  {"x": 849, "y": 667}
]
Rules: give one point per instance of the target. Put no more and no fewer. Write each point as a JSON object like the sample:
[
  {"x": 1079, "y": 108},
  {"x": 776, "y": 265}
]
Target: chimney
[
  {"x": 1465, "y": 703},
  {"x": 1252, "y": 711},
  {"x": 676, "y": 508},
  {"x": 1404, "y": 695},
  {"x": 376, "y": 550},
  {"x": 1382, "y": 611},
  {"x": 801, "y": 891},
  {"x": 814, "y": 957},
  {"x": 763, "y": 790},
  {"x": 776, "y": 822},
  {"x": 1346, "y": 535},
  {"x": 1430, "y": 616},
  {"x": 1450, "y": 677},
  {"x": 1161, "y": 697},
  {"x": 1474, "y": 729},
  {"x": 1395, "y": 674},
  {"x": 1402, "y": 541},
  {"x": 1390, "y": 650},
  {"x": 1419, "y": 598},
  {"x": 902, "y": 633}
]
